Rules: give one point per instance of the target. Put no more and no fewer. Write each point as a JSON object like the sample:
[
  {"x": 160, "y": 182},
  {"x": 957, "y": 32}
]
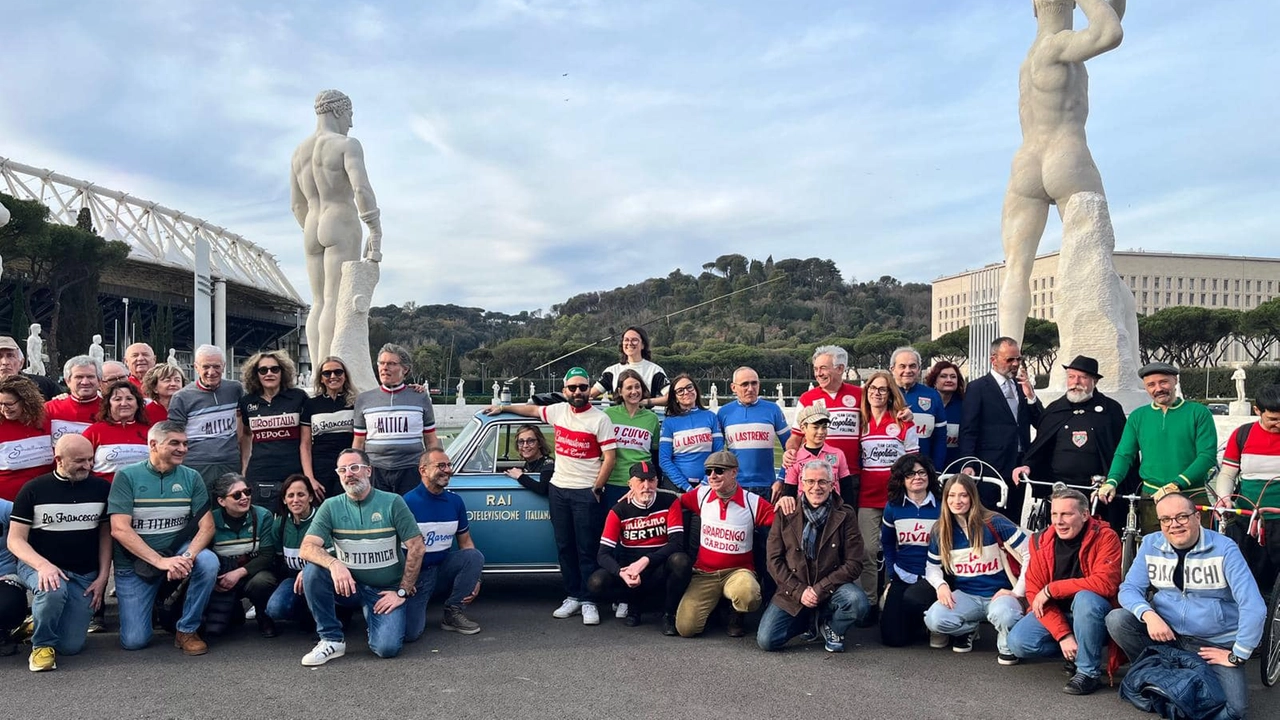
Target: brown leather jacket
[{"x": 839, "y": 560}]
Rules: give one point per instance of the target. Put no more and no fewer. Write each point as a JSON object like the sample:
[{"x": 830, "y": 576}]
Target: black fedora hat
[{"x": 1084, "y": 364}]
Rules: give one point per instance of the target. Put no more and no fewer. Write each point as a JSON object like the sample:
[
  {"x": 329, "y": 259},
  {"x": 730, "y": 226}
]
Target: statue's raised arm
[{"x": 1103, "y": 33}]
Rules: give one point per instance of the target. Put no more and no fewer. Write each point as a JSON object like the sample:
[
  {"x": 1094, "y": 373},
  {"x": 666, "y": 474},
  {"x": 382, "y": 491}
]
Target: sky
[{"x": 523, "y": 151}]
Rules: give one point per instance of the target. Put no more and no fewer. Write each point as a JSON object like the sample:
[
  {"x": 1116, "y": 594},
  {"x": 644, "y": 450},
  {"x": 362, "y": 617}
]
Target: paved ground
[{"x": 525, "y": 664}]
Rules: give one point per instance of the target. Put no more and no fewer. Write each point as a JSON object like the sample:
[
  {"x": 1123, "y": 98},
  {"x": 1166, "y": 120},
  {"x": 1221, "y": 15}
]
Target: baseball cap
[
  {"x": 644, "y": 471},
  {"x": 722, "y": 459},
  {"x": 812, "y": 413},
  {"x": 576, "y": 372},
  {"x": 7, "y": 343}
]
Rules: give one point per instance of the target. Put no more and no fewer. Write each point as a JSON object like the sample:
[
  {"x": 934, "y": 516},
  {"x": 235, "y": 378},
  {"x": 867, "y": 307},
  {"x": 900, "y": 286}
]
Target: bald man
[
  {"x": 61, "y": 538},
  {"x": 140, "y": 358}
]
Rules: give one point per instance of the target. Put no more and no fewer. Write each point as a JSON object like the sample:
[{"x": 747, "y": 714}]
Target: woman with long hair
[
  {"x": 274, "y": 426},
  {"x": 538, "y": 466},
  {"x": 119, "y": 435},
  {"x": 331, "y": 409},
  {"x": 26, "y": 442},
  {"x": 298, "y": 503},
  {"x": 974, "y": 566},
  {"x": 914, "y": 504},
  {"x": 946, "y": 378},
  {"x": 635, "y": 355},
  {"x": 690, "y": 433},
  {"x": 636, "y": 430}
]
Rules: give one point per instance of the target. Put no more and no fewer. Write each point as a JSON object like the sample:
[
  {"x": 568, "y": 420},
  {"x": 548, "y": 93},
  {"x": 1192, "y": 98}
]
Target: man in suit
[{"x": 999, "y": 410}]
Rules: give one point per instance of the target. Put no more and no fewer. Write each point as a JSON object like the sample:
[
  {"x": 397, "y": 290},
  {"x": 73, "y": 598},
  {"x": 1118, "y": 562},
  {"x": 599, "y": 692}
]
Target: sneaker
[
  {"x": 834, "y": 642},
  {"x": 811, "y": 633},
  {"x": 323, "y": 652},
  {"x": 632, "y": 619},
  {"x": 42, "y": 658},
  {"x": 938, "y": 641},
  {"x": 590, "y": 614},
  {"x": 669, "y": 625},
  {"x": 1007, "y": 658},
  {"x": 189, "y": 643},
  {"x": 96, "y": 625},
  {"x": 620, "y": 610},
  {"x": 455, "y": 621},
  {"x": 735, "y": 629},
  {"x": 251, "y": 613},
  {"x": 568, "y": 608},
  {"x": 1081, "y": 684},
  {"x": 22, "y": 633},
  {"x": 963, "y": 643}
]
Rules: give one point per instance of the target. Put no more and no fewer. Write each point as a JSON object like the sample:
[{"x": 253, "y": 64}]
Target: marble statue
[
  {"x": 173, "y": 358},
  {"x": 35, "y": 351},
  {"x": 714, "y": 402},
  {"x": 330, "y": 198},
  {"x": 532, "y": 391},
  {"x": 461, "y": 398},
  {"x": 810, "y": 386},
  {"x": 95, "y": 349},
  {"x": 497, "y": 390},
  {"x": 1094, "y": 309},
  {"x": 1239, "y": 377}
]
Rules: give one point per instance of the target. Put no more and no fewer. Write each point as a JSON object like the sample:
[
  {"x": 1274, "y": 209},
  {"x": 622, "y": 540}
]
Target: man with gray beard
[{"x": 1078, "y": 432}]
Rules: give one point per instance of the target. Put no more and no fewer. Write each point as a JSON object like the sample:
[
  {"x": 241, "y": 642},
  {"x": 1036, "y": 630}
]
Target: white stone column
[
  {"x": 201, "y": 312},
  {"x": 220, "y": 314}
]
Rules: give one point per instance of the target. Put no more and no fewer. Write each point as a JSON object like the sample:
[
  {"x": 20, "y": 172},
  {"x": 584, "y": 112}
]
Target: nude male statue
[
  {"x": 331, "y": 196},
  {"x": 1053, "y": 162}
]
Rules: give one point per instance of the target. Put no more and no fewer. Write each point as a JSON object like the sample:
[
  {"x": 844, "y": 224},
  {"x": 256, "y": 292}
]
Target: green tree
[
  {"x": 1259, "y": 329},
  {"x": 1040, "y": 344}
]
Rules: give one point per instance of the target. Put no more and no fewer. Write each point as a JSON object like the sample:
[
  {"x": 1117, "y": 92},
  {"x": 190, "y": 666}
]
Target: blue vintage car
[{"x": 510, "y": 524}]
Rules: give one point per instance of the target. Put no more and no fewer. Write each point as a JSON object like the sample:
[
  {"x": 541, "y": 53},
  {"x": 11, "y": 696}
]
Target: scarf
[{"x": 814, "y": 519}]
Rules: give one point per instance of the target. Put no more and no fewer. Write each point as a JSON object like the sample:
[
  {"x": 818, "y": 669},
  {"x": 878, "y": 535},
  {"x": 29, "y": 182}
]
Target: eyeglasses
[
  {"x": 809, "y": 482},
  {"x": 683, "y": 389},
  {"x": 438, "y": 466},
  {"x": 878, "y": 390},
  {"x": 352, "y": 468},
  {"x": 113, "y": 378},
  {"x": 269, "y": 369},
  {"x": 8, "y": 404},
  {"x": 333, "y": 373},
  {"x": 526, "y": 441},
  {"x": 388, "y": 363},
  {"x": 918, "y": 473},
  {"x": 822, "y": 368},
  {"x": 239, "y": 494},
  {"x": 576, "y": 388},
  {"x": 1179, "y": 519},
  {"x": 718, "y": 471}
]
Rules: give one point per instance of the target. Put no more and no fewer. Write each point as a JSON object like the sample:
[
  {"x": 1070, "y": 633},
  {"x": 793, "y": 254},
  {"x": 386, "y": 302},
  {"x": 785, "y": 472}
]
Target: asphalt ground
[{"x": 525, "y": 664}]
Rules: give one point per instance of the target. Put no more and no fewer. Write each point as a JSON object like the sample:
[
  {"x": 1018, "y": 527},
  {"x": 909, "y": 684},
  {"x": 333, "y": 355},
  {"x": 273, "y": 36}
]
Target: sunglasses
[
  {"x": 269, "y": 369},
  {"x": 718, "y": 471},
  {"x": 333, "y": 373},
  {"x": 576, "y": 388},
  {"x": 239, "y": 494}
]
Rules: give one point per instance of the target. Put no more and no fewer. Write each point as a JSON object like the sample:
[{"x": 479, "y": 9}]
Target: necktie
[{"x": 1011, "y": 397}]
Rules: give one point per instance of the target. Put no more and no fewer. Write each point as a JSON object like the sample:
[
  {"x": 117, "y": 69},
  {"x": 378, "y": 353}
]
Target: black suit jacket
[{"x": 990, "y": 432}]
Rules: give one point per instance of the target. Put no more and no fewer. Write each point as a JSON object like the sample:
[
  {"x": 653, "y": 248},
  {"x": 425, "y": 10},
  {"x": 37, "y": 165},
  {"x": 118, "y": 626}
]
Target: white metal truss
[{"x": 156, "y": 234}]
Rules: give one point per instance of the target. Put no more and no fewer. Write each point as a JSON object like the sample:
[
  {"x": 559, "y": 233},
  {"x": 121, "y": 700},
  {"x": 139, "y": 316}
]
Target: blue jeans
[
  {"x": 847, "y": 605},
  {"x": 284, "y": 603},
  {"x": 460, "y": 571},
  {"x": 1130, "y": 634},
  {"x": 577, "y": 519},
  {"x": 62, "y": 616},
  {"x": 1088, "y": 619},
  {"x": 137, "y": 597},
  {"x": 970, "y": 610},
  {"x": 386, "y": 632}
]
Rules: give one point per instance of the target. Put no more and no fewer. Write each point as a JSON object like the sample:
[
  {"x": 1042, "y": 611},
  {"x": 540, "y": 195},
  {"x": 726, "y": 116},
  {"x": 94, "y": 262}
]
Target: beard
[
  {"x": 1079, "y": 396},
  {"x": 354, "y": 490},
  {"x": 578, "y": 399}
]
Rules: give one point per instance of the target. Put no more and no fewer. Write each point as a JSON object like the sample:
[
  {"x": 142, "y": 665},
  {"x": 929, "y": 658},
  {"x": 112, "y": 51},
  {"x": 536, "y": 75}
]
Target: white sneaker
[
  {"x": 323, "y": 652},
  {"x": 938, "y": 640},
  {"x": 251, "y": 613},
  {"x": 590, "y": 614},
  {"x": 568, "y": 608},
  {"x": 620, "y": 610}
]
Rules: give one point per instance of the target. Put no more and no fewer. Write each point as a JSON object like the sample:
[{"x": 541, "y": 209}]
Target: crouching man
[{"x": 816, "y": 557}]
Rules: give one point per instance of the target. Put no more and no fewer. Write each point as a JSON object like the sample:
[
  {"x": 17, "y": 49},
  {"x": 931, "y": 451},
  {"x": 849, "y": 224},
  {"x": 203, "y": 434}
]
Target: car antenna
[{"x": 612, "y": 333}]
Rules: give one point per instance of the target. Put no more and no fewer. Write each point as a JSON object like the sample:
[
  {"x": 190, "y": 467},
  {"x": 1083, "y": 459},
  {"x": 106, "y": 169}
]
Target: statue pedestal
[
  {"x": 351, "y": 327},
  {"x": 1240, "y": 408},
  {"x": 1093, "y": 307}
]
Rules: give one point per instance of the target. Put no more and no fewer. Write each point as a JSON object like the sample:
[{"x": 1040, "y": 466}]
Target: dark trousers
[
  {"x": 577, "y": 519},
  {"x": 902, "y": 619},
  {"x": 224, "y": 610},
  {"x": 663, "y": 584},
  {"x": 396, "y": 480},
  {"x": 13, "y": 606}
]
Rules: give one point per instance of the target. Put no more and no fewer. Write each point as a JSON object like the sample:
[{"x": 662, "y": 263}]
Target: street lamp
[{"x": 126, "y": 324}]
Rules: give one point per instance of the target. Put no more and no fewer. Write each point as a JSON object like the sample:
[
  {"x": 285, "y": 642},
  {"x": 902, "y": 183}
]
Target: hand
[
  {"x": 97, "y": 590},
  {"x": 785, "y": 505},
  {"x": 176, "y": 567},
  {"x": 638, "y": 566},
  {"x": 388, "y": 600},
  {"x": 905, "y": 416},
  {"x": 775, "y": 492},
  {"x": 227, "y": 581},
  {"x": 513, "y": 473},
  {"x": 1020, "y": 473},
  {"x": 317, "y": 488},
  {"x": 1002, "y": 593},
  {"x": 632, "y": 579},
  {"x": 492, "y": 410},
  {"x": 51, "y": 577},
  {"x": 343, "y": 583},
  {"x": 945, "y": 597},
  {"x": 297, "y": 585},
  {"x": 373, "y": 246},
  {"x": 1157, "y": 628},
  {"x": 1025, "y": 381},
  {"x": 809, "y": 598},
  {"x": 788, "y": 458},
  {"x": 1215, "y": 656},
  {"x": 967, "y": 470},
  {"x": 474, "y": 592},
  {"x": 1039, "y": 601},
  {"x": 1107, "y": 492},
  {"x": 1069, "y": 648}
]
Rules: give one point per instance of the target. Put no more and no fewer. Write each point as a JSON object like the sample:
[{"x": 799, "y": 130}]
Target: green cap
[{"x": 576, "y": 372}]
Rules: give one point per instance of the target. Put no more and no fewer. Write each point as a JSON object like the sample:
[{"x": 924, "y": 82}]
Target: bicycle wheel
[{"x": 1271, "y": 639}]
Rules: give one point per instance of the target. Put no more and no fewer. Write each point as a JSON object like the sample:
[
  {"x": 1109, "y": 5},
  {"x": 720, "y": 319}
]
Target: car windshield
[{"x": 459, "y": 442}]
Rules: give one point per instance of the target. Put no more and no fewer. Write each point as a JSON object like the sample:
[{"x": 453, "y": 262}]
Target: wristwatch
[
  {"x": 402, "y": 593},
  {"x": 1235, "y": 660},
  {"x": 187, "y": 555}
]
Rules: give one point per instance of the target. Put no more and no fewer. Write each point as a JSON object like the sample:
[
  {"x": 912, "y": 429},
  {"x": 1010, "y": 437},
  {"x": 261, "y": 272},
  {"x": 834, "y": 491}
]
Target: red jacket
[{"x": 1099, "y": 560}]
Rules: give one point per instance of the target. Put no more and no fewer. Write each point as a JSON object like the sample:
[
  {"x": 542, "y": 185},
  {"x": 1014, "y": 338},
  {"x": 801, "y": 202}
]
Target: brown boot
[
  {"x": 190, "y": 643},
  {"x": 736, "y": 621}
]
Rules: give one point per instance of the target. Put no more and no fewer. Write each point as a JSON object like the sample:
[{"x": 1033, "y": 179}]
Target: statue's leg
[
  {"x": 333, "y": 259},
  {"x": 316, "y": 277},
  {"x": 1021, "y": 225}
]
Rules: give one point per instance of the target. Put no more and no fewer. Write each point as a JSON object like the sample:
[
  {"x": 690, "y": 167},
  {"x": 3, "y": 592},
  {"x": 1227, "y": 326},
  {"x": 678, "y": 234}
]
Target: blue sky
[{"x": 523, "y": 151}]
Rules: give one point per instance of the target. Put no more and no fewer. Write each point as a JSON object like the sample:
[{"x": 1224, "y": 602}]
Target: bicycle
[
  {"x": 1036, "y": 511},
  {"x": 994, "y": 479}
]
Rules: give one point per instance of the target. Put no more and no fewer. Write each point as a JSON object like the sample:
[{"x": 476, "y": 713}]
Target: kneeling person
[
  {"x": 366, "y": 528},
  {"x": 1071, "y": 581},
  {"x": 641, "y": 558},
  {"x": 816, "y": 557},
  {"x": 60, "y": 536},
  {"x": 442, "y": 518}
]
